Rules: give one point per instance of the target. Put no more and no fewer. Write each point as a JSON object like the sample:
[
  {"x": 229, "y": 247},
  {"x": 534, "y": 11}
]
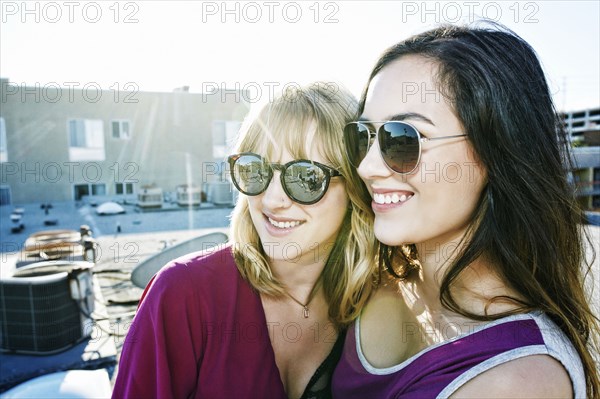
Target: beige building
[
  {"x": 77, "y": 142},
  {"x": 584, "y": 131}
]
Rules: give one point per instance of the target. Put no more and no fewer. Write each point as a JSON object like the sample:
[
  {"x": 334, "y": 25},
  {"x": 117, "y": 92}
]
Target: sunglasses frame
[
  {"x": 374, "y": 135},
  {"x": 328, "y": 171}
]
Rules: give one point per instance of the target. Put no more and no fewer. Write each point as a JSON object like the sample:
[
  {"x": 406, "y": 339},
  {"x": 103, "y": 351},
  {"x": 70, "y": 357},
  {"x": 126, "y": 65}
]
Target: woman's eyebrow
[
  {"x": 412, "y": 116},
  {"x": 400, "y": 117}
]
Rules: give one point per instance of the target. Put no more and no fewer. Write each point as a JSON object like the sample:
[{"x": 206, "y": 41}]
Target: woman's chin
[{"x": 389, "y": 233}]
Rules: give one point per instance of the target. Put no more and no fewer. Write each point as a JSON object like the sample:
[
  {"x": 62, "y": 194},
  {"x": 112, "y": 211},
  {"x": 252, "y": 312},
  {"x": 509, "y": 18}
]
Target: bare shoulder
[
  {"x": 386, "y": 331},
  {"x": 384, "y": 302},
  {"x": 536, "y": 376}
]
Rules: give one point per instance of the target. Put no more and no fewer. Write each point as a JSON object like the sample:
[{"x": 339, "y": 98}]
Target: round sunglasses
[
  {"x": 399, "y": 143},
  {"x": 304, "y": 181}
]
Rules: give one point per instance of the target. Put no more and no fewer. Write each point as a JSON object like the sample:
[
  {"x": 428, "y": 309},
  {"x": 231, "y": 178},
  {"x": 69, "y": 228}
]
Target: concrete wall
[{"x": 170, "y": 141}]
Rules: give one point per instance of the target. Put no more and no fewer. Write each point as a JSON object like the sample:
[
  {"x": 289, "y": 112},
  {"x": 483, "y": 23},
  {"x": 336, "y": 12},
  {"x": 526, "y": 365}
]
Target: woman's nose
[
  {"x": 373, "y": 166},
  {"x": 275, "y": 196}
]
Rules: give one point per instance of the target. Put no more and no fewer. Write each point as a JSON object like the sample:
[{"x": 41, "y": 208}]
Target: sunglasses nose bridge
[
  {"x": 373, "y": 164},
  {"x": 276, "y": 166}
]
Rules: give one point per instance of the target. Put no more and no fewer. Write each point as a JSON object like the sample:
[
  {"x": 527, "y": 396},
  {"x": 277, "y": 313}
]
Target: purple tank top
[{"x": 440, "y": 369}]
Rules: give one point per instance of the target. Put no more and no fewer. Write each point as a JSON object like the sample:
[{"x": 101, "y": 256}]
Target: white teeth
[
  {"x": 389, "y": 199},
  {"x": 284, "y": 225}
]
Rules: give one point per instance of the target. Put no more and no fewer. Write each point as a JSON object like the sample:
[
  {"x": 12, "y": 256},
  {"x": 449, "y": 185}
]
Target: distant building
[
  {"x": 584, "y": 133},
  {"x": 75, "y": 143}
]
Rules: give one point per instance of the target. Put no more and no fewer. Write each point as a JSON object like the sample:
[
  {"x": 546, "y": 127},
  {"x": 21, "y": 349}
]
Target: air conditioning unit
[
  {"x": 46, "y": 307},
  {"x": 221, "y": 193}
]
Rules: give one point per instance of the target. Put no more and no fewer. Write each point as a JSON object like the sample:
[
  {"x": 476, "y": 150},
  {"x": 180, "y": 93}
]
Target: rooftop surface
[
  {"x": 142, "y": 236},
  {"x": 71, "y": 215}
]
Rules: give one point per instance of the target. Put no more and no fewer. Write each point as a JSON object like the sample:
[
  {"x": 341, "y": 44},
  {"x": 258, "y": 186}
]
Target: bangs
[
  {"x": 303, "y": 123},
  {"x": 284, "y": 126}
]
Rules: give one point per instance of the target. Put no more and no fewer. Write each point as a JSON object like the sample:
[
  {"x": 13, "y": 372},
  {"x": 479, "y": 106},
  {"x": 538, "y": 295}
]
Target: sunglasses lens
[
  {"x": 356, "y": 141},
  {"x": 250, "y": 174},
  {"x": 399, "y": 145},
  {"x": 305, "y": 182}
]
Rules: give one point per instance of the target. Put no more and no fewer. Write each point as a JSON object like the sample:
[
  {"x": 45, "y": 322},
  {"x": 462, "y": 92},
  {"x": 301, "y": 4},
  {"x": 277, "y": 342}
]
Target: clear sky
[{"x": 264, "y": 45}]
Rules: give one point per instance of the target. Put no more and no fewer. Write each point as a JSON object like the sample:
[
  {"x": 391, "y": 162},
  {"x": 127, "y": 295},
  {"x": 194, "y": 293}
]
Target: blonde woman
[{"x": 264, "y": 315}]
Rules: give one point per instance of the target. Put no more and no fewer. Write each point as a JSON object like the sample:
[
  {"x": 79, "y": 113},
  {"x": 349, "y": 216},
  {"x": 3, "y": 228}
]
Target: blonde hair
[{"x": 285, "y": 122}]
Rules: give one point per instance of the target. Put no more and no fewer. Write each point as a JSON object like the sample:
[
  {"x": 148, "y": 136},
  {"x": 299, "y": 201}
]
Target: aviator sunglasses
[
  {"x": 399, "y": 143},
  {"x": 304, "y": 181}
]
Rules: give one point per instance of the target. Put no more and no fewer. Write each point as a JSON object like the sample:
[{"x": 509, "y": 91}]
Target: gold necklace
[{"x": 313, "y": 291}]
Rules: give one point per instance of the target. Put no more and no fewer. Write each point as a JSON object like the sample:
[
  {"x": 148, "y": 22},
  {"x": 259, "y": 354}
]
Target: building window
[
  {"x": 223, "y": 135},
  {"x": 86, "y": 140},
  {"x": 98, "y": 189},
  {"x": 121, "y": 130},
  {"x": 3, "y": 149},
  {"x": 596, "y": 189},
  {"x": 85, "y": 189},
  {"x": 124, "y": 188},
  {"x": 5, "y": 195}
]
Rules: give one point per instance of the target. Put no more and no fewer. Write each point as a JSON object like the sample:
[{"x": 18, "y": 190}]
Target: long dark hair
[{"x": 527, "y": 220}]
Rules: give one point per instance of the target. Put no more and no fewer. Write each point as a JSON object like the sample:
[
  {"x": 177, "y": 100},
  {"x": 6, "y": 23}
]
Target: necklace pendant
[{"x": 306, "y": 313}]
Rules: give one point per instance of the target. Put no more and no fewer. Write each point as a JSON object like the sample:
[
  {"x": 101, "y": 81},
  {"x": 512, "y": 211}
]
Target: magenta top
[
  {"x": 439, "y": 370},
  {"x": 200, "y": 332}
]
